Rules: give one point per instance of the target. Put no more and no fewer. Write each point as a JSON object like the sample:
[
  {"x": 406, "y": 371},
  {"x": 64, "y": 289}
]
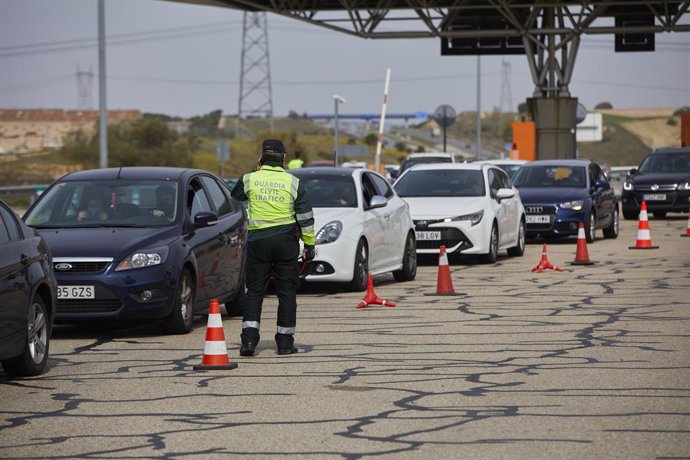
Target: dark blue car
[
  {"x": 142, "y": 244},
  {"x": 560, "y": 194},
  {"x": 27, "y": 297}
]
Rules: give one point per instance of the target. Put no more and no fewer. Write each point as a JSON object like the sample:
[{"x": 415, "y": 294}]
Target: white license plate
[
  {"x": 538, "y": 219},
  {"x": 654, "y": 197},
  {"x": 426, "y": 236},
  {"x": 76, "y": 292}
]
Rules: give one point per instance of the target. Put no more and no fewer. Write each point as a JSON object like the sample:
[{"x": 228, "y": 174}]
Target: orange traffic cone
[
  {"x": 215, "y": 351},
  {"x": 687, "y": 230},
  {"x": 581, "y": 255},
  {"x": 371, "y": 298},
  {"x": 444, "y": 283},
  {"x": 644, "y": 237},
  {"x": 544, "y": 263}
]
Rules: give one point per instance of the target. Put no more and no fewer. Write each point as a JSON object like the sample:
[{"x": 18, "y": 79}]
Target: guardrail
[{"x": 23, "y": 189}]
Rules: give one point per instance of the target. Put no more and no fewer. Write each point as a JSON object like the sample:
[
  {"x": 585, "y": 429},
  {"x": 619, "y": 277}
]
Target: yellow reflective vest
[
  {"x": 295, "y": 163},
  {"x": 272, "y": 194}
]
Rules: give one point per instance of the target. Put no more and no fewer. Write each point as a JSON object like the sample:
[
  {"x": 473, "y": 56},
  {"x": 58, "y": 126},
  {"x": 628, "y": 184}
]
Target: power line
[{"x": 302, "y": 82}]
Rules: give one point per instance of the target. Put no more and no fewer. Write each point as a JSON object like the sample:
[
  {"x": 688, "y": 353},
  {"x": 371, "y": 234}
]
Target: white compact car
[
  {"x": 362, "y": 226},
  {"x": 468, "y": 208}
]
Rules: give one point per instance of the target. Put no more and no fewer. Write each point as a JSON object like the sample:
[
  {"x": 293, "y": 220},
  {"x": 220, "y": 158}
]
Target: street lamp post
[{"x": 337, "y": 99}]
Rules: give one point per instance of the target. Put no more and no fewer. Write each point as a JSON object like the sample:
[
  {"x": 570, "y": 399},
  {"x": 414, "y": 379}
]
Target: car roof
[
  {"x": 429, "y": 154},
  {"x": 321, "y": 171},
  {"x": 670, "y": 150},
  {"x": 138, "y": 172},
  {"x": 446, "y": 166},
  {"x": 500, "y": 162},
  {"x": 622, "y": 168},
  {"x": 557, "y": 163}
]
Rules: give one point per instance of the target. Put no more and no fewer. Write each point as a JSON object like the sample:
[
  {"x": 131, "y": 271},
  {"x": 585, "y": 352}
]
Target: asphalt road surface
[{"x": 589, "y": 363}]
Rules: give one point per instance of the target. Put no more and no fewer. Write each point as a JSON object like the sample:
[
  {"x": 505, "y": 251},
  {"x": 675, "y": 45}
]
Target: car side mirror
[
  {"x": 600, "y": 184},
  {"x": 633, "y": 171},
  {"x": 503, "y": 193},
  {"x": 378, "y": 201},
  {"x": 205, "y": 219},
  {"x": 394, "y": 174}
]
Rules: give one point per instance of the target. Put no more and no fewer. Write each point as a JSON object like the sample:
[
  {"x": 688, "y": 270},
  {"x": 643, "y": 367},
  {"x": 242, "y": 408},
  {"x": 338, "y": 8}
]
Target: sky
[{"x": 184, "y": 60}]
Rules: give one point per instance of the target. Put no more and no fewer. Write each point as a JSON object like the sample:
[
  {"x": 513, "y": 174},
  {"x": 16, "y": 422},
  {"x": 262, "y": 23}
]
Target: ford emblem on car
[{"x": 63, "y": 267}]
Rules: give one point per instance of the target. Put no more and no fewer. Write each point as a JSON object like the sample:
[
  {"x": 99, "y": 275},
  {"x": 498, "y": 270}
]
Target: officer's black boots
[
  {"x": 285, "y": 344},
  {"x": 247, "y": 348},
  {"x": 250, "y": 338},
  {"x": 287, "y": 351}
]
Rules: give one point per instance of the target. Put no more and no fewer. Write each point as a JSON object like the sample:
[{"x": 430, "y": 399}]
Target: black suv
[{"x": 663, "y": 181}]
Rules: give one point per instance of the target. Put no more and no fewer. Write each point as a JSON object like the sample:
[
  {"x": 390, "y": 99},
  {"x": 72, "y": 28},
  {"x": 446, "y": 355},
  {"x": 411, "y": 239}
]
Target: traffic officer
[
  {"x": 278, "y": 211},
  {"x": 296, "y": 162}
]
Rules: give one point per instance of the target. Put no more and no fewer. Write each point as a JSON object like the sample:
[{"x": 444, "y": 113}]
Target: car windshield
[
  {"x": 666, "y": 163},
  {"x": 407, "y": 164},
  {"x": 328, "y": 191},
  {"x": 105, "y": 203},
  {"x": 551, "y": 176},
  {"x": 441, "y": 182}
]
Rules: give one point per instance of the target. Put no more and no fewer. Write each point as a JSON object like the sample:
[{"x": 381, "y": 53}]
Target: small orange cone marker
[
  {"x": 581, "y": 254},
  {"x": 371, "y": 298},
  {"x": 644, "y": 237},
  {"x": 444, "y": 283},
  {"x": 544, "y": 263},
  {"x": 687, "y": 230},
  {"x": 215, "y": 350}
]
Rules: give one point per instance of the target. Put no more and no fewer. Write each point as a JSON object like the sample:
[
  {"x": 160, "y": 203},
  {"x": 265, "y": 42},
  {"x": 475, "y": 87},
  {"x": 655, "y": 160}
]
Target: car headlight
[
  {"x": 685, "y": 186},
  {"x": 474, "y": 218},
  {"x": 329, "y": 232},
  {"x": 627, "y": 185},
  {"x": 574, "y": 205},
  {"x": 143, "y": 258}
]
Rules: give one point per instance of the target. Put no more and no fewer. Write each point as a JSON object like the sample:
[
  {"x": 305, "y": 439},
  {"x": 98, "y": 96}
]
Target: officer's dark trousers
[{"x": 278, "y": 256}]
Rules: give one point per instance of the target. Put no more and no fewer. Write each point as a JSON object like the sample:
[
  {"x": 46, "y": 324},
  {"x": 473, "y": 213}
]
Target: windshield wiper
[{"x": 45, "y": 226}]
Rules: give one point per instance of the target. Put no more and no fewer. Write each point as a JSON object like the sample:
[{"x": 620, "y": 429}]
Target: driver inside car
[{"x": 165, "y": 202}]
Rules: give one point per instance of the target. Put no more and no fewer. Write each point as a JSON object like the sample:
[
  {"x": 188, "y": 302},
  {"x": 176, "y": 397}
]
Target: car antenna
[{"x": 118, "y": 173}]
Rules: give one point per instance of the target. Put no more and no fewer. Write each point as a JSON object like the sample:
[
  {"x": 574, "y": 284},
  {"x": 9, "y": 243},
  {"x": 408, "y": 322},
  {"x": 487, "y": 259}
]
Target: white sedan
[
  {"x": 362, "y": 226},
  {"x": 468, "y": 208}
]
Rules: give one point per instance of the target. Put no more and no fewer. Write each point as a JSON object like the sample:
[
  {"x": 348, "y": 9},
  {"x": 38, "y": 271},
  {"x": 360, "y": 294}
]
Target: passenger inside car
[{"x": 93, "y": 211}]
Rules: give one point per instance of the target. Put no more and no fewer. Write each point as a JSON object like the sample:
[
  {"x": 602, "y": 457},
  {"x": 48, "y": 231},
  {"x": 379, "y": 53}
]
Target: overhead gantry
[{"x": 547, "y": 32}]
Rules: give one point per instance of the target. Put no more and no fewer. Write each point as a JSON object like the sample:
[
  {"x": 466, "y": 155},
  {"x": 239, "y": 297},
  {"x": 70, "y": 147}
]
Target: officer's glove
[{"x": 309, "y": 253}]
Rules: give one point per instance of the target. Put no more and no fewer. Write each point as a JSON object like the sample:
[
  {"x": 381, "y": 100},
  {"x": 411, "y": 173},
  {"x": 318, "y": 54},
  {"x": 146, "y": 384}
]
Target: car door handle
[
  {"x": 387, "y": 216},
  {"x": 24, "y": 259}
]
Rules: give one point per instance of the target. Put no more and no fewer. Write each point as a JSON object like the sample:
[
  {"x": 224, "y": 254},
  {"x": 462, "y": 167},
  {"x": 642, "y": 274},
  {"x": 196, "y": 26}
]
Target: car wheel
[
  {"x": 180, "y": 319},
  {"x": 235, "y": 307},
  {"x": 659, "y": 214},
  {"x": 591, "y": 227},
  {"x": 34, "y": 357},
  {"x": 630, "y": 215},
  {"x": 361, "y": 271},
  {"x": 519, "y": 249},
  {"x": 491, "y": 256},
  {"x": 612, "y": 230},
  {"x": 408, "y": 272}
]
